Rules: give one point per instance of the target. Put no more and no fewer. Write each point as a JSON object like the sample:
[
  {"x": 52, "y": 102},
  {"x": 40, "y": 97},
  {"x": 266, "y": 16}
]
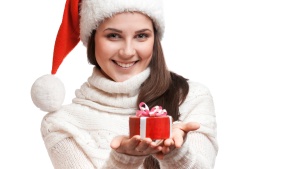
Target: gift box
[
  {"x": 151, "y": 127},
  {"x": 154, "y": 123}
]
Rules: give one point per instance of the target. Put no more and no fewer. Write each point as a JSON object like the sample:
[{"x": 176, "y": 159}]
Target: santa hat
[{"x": 80, "y": 18}]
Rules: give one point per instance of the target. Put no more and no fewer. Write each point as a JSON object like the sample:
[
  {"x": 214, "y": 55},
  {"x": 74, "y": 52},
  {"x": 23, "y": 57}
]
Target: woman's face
[{"x": 124, "y": 45}]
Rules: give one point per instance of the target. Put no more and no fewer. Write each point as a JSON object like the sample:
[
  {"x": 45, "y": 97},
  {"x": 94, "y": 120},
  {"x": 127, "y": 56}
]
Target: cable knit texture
[{"x": 78, "y": 136}]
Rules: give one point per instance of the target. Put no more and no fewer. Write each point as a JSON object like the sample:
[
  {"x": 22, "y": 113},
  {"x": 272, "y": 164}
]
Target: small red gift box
[
  {"x": 151, "y": 127},
  {"x": 154, "y": 123}
]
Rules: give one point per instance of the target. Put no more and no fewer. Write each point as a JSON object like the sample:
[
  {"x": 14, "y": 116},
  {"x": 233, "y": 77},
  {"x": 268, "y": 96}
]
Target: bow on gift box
[{"x": 156, "y": 111}]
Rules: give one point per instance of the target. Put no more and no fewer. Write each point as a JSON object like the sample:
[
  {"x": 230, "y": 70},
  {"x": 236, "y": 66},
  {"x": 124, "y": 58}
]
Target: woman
[{"x": 123, "y": 42}]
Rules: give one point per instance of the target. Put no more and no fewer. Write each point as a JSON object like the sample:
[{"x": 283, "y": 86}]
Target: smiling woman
[
  {"x": 123, "y": 40},
  {"x": 123, "y": 45}
]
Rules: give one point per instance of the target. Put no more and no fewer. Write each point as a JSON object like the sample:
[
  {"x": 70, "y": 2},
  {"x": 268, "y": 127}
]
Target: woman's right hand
[{"x": 134, "y": 146}]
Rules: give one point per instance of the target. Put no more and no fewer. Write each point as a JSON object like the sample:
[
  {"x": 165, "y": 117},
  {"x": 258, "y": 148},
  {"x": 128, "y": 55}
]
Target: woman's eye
[
  {"x": 142, "y": 36},
  {"x": 113, "y": 36}
]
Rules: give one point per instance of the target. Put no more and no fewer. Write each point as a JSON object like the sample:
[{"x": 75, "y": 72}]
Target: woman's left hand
[{"x": 179, "y": 131}]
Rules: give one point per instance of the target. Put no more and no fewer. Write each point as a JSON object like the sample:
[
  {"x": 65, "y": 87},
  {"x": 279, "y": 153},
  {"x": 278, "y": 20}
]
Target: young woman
[{"x": 123, "y": 42}]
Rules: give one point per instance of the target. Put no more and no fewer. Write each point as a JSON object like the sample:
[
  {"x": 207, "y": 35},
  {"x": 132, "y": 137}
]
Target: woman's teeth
[{"x": 125, "y": 65}]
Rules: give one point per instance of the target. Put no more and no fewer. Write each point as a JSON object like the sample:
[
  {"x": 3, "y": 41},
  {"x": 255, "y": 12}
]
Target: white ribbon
[{"x": 143, "y": 124}]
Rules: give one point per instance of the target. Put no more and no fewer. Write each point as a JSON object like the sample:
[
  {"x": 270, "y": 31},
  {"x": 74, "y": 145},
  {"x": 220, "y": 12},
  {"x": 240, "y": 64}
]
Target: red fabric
[
  {"x": 156, "y": 127},
  {"x": 68, "y": 34}
]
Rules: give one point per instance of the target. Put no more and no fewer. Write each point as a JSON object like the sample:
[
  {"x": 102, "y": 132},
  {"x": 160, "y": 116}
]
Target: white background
[{"x": 246, "y": 52}]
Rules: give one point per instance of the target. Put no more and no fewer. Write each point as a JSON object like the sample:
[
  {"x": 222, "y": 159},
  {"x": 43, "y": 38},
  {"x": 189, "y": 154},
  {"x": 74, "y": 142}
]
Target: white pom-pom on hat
[{"x": 48, "y": 93}]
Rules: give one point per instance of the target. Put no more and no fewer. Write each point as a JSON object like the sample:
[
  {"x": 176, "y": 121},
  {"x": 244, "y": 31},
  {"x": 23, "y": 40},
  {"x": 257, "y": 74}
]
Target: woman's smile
[{"x": 124, "y": 65}]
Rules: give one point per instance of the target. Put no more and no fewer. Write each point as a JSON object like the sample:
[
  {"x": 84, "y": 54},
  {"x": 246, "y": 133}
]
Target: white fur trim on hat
[{"x": 93, "y": 12}]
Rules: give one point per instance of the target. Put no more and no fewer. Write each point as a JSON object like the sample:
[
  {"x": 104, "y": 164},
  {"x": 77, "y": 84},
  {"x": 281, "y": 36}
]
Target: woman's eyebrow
[
  {"x": 113, "y": 29},
  {"x": 142, "y": 30}
]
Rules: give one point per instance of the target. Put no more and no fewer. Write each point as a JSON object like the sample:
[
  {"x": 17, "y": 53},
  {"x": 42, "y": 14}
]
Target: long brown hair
[{"x": 162, "y": 87}]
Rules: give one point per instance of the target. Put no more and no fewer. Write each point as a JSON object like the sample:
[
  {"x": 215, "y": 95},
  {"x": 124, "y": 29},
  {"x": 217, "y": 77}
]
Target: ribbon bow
[{"x": 156, "y": 111}]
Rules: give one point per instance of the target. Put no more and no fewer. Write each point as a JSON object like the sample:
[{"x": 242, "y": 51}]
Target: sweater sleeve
[
  {"x": 68, "y": 155},
  {"x": 200, "y": 147},
  {"x": 72, "y": 148}
]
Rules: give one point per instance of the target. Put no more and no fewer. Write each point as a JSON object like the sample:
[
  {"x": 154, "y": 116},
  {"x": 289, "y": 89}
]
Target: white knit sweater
[{"x": 78, "y": 136}]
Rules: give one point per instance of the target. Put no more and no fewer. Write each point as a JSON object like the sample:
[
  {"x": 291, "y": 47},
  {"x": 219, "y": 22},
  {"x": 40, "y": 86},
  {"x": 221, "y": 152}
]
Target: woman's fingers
[
  {"x": 134, "y": 145},
  {"x": 124, "y": 144},
  {"x": 178, "y": 140},
  {"x": 181, "y": 130},
  {"x": 190, "y": 126},
  {"x": 143, "y": 145},
  {"x": 168, "y": 142},
  {"x": 116, "y": 142}
]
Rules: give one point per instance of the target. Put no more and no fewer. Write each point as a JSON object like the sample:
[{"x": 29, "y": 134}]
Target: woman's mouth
[{"x": 125, "y": 65}]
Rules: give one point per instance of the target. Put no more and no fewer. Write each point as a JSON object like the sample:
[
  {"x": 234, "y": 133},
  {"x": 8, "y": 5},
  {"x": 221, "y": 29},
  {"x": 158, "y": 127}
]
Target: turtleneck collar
[
  {"x": 130, "y": 86},
  {"x": 101, "y": 91}
]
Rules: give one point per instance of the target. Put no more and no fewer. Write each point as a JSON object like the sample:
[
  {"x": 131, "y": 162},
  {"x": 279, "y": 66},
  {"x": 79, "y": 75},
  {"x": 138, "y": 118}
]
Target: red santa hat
[{"x": 80, "y": 18}]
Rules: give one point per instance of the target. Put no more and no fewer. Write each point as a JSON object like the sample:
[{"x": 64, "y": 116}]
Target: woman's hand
[
  {"x": 179, "y": 131},
  {"x": 134, "y": 146}
]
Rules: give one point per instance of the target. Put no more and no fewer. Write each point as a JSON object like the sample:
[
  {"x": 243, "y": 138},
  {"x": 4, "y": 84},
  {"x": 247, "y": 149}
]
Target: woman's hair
[{"x": 162, "y": 87}]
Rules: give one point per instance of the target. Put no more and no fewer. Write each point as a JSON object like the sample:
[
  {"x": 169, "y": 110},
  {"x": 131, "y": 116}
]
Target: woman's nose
[{"x": 127, "y": 50}]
